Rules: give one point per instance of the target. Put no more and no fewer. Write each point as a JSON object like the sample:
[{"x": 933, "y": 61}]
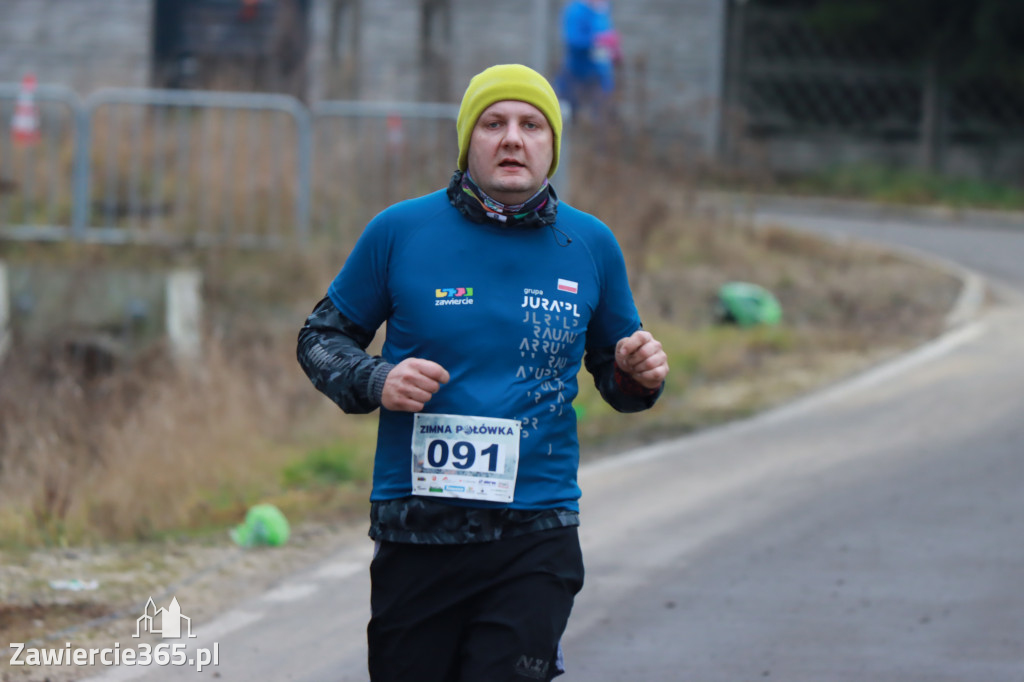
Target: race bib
[{"x": 474, "y": 458}]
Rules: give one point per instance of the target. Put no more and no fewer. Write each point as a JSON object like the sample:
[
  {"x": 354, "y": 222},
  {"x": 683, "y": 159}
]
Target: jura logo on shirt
[
  {"x": 549, "y": 305},
  {"x": 453, "y": 296}
]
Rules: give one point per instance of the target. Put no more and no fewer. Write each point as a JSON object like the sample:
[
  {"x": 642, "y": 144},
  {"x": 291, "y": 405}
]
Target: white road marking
[
  {"x": 885, "y": 372},
  {"x": 287, "y": 593},
  {"x": 339, "y": 570}
]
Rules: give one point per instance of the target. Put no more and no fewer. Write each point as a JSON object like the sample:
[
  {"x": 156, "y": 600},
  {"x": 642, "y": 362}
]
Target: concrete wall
[
  {"x": 673, "y": 51},
  {"x": 85, "y": 44},
  {"x": 125, "y": 310},
  {"x": 682, "y": 44}
]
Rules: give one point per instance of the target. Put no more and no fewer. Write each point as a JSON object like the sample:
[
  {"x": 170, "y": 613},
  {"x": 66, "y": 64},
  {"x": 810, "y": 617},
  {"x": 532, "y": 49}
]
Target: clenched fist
[
  {"x": 640, "y": 356},
  {"x": 411, "y": 384}
]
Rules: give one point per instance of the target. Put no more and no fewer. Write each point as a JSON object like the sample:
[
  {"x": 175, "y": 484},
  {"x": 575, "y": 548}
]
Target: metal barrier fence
[
  {"x": 171, "y": 166},
  {"x": 37, "y": 179},
  {"x": 200, "y": 166},
  {"x": 370, "y": 154}
]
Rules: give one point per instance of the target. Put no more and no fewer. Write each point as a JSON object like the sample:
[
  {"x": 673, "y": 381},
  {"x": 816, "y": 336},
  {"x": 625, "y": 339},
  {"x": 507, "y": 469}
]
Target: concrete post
[
  {"x": 184, "y": 314},
  {"x": 5, "y": 311}
]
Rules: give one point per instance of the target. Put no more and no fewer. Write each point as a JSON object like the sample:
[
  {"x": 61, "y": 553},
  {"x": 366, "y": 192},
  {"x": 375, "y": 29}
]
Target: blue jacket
[
  {"x": 509, "y": 313},
  {"x": 582, "y": 23}
]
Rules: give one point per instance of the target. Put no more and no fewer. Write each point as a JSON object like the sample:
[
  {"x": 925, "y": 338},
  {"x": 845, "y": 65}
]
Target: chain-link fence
[{"x": 810, "y": 98}]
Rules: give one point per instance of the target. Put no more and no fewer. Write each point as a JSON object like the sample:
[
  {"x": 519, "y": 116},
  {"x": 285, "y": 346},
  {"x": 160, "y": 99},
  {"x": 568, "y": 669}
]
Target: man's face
[{"x": 510, "y": 151}]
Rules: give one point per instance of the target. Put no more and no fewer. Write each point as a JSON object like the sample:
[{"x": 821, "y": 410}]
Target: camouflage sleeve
[
  {"x": 332, "y": 352},
  {"x": 618, "y": 389}
]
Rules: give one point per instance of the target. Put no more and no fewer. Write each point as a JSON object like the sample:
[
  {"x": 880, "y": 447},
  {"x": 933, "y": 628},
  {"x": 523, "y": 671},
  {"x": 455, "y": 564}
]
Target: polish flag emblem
[{"x": 566, "y": 285}]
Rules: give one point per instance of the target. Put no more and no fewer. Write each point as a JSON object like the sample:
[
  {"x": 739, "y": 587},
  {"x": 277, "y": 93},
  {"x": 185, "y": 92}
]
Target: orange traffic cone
[
  {"x": 396, "y": 134},
  {"x": 25, "y": 123}
]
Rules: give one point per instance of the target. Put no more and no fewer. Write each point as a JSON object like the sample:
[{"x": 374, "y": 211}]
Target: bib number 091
[{"x": 463, "y": 454}]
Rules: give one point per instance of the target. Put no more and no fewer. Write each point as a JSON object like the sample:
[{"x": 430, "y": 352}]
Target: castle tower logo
[{"x": 170, "y": 618}]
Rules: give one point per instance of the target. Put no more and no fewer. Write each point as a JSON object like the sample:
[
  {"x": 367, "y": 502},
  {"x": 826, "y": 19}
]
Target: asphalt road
[{"x": 873, "y": 531}]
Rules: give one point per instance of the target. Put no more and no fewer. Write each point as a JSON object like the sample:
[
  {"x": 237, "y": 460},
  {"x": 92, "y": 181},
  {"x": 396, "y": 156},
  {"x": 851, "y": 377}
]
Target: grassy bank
[{"x": 887, "y": 185}]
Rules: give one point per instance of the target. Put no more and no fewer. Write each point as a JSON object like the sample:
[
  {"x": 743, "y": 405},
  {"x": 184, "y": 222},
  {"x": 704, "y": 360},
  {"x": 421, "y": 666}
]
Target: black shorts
[{"x": 480, "y": 612}]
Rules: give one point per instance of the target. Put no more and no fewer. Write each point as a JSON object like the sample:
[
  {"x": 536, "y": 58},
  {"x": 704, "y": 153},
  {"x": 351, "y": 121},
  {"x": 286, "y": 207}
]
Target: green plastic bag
[
  {"x": 747, "y": 305},
  {"x": 264, "y": 526}
]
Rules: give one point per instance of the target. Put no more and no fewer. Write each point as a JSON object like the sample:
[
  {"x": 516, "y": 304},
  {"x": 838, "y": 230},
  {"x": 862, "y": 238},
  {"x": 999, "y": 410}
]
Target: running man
[{"x": 494, "y": 295}]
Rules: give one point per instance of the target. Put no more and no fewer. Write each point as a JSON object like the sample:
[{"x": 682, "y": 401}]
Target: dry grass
[
  {"x": 92, "y": 452},
  {"x": 846, "y": 306},
  {"x": 145, "y": 448}
]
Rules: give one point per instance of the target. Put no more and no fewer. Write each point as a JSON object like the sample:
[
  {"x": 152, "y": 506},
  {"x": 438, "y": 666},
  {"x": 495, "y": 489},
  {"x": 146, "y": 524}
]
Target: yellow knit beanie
[{"x": 507, "y": 82}]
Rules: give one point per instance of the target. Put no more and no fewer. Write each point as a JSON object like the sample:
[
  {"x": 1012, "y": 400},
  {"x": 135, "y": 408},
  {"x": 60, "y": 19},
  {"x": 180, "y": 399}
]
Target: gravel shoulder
[{"x": 207, "y": 577}]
